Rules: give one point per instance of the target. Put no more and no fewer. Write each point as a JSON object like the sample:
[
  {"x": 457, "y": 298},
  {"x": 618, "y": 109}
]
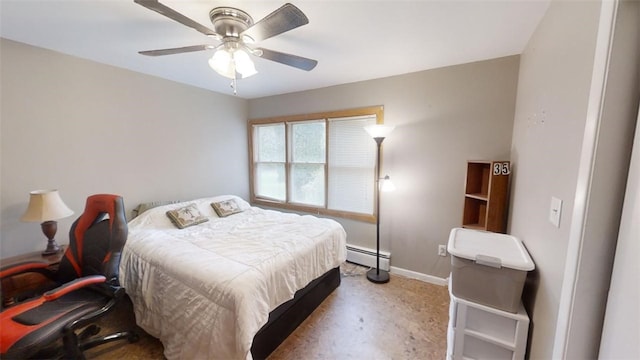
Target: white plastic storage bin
[
  {"x": 481, "y": 332},
  {"x": 488, "y": 268}
]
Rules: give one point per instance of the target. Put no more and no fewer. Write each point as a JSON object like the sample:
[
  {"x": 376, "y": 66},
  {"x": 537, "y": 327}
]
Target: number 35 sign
[{"x": 501, "y": 168}]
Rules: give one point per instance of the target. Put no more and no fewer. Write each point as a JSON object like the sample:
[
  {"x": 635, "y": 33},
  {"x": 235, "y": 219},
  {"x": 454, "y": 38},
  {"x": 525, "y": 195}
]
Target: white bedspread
[{"x": 206, "y": 290}]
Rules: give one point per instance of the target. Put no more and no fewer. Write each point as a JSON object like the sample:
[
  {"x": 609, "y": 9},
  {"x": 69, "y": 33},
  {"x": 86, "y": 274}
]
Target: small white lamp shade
[
  {"x": 379, "y": 130},
  {"x": 244, "y": 65},
  {"x": 222, "y": 63},
  {"x": 45, "y": 205},
  {"x": 386, "y": 185}
]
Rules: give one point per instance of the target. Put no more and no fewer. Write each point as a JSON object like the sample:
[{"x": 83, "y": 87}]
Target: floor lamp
[{"x": 378, "y": 132}]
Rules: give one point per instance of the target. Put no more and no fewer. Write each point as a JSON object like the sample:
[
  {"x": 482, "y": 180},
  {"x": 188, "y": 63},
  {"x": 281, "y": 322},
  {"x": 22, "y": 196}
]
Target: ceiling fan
[{"x": 236, "y": 30}]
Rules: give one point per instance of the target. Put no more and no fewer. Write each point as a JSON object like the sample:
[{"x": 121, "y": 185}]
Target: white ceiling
[{"x": 352, "y": 40}]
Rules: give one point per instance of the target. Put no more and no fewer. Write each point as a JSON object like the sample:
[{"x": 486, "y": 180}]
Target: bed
[{"x": 233, "y": 285}]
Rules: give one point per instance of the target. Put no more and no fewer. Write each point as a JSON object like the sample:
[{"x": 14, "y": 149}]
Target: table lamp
[{"x": 45, "y": 207}]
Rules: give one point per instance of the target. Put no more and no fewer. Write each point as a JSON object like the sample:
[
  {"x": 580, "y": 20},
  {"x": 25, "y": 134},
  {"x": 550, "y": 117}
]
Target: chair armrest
[
  {"x": 23, "y": 267},
  {"x": 72, "y": 286}
]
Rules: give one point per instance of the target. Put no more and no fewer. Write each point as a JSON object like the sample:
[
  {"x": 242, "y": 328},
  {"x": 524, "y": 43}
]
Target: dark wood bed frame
[{"x": 284, "y": 319}]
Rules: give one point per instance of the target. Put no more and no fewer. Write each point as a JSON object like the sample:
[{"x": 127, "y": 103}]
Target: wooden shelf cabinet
[{"x": 486, "y": 195}]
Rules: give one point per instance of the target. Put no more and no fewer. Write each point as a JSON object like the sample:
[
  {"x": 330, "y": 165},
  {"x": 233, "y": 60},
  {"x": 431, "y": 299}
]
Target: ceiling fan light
[
  {"x": 222, "y": 63},
  {"x": 243, "y": 63}
]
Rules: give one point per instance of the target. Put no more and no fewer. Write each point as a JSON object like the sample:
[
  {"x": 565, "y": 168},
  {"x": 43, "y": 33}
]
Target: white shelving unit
[{"x": 482, "y": 332}]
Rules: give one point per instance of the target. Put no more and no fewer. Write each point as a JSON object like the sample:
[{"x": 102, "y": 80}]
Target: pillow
[
  {"x": 226, "y": 207},
  {"x": 186, "y": 216},
  {"x": 150, "y": 205}
]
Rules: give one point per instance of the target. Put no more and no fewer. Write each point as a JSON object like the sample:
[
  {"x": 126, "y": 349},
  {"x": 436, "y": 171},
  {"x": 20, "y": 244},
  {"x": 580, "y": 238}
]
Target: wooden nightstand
[{"x": 28, "y": 281}]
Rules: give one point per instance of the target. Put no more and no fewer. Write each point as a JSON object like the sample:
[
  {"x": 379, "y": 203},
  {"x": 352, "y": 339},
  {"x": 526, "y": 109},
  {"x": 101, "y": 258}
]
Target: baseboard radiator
[{"x": 367, "y": 257}]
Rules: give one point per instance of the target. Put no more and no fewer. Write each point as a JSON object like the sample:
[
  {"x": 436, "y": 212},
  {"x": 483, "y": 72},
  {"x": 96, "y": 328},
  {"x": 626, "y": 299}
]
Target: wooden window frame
[{"x": 377, "y": 111}]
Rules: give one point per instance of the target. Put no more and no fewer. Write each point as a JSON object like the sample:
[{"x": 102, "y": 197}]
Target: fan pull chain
[{"x": 234, "y": 86}]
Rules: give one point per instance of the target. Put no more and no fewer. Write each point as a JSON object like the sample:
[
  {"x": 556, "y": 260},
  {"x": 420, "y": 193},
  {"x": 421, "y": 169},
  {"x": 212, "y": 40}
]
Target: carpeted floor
[{"x": 403, "y": 319}]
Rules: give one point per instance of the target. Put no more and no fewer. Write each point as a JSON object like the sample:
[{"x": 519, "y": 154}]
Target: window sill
[{"x": 315, "y": 210}]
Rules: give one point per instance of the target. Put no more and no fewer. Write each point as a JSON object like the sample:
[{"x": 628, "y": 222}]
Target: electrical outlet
[{"x": 442, "y": 250}]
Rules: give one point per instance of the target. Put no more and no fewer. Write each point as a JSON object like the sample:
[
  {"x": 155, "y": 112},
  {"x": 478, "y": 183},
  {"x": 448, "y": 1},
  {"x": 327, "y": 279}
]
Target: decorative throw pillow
[
  {"x": 150, "y": 205},
  {"x": 186, "y": 216},
  {"x": 226, "y": 207}
]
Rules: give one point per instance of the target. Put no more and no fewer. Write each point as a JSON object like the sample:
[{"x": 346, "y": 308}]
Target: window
[
  {"x": 270, "y": 161},
  {"x": 321, "y": 163},
  {"x": 308, "y": 162}
]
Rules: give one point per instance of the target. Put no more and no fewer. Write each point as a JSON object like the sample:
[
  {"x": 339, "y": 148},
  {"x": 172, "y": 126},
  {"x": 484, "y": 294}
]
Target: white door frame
[{"x": 581, "y": 272}]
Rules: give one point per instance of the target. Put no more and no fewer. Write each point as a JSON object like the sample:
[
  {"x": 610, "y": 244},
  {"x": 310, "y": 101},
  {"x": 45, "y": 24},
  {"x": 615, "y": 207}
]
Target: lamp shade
[
  {"x": 222, "y": 63},
  {"x": 45, "y": 205},
  {"x": 243, "y": 63},
  {"x": 379, "y": 130},
  {"x": 386, "y": 185}
]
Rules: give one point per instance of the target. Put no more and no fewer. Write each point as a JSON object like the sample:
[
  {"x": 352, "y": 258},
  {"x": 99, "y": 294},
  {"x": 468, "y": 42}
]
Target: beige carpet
[{"x": 403, "y": 319}]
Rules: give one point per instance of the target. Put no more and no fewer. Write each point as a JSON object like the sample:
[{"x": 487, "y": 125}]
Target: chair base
[
  {"x": 130, "y": 336},
  {"x": 73, "y": 346}
]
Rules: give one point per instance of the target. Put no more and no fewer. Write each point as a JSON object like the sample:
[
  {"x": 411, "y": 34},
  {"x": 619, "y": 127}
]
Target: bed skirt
[{"x": 284, "y": 319}]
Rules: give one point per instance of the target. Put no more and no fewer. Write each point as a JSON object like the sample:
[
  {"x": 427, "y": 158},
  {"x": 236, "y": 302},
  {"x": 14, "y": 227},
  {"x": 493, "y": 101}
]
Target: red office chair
[{"x": 87, "y": 288}]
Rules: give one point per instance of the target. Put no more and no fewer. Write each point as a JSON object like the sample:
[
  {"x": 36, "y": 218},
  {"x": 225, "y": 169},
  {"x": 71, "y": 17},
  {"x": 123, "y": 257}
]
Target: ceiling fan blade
[
  {"x": 156, "y": 6},
  {"x": 176, "y": 50},
  {"x": 299, "y": 62},
  {"x": 285, "y": 18}
]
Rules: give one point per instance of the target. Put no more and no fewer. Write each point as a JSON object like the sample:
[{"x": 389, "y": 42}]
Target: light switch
[{"x": 555, "y": 211}]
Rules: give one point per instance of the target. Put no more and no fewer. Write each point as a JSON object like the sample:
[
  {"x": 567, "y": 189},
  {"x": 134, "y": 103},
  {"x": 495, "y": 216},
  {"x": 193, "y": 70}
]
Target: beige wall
[
  {"x": 443, "y": 118},
  {"x": 85, "y": 128},
  {"x": 565, "y": 145},
  {"x": 553, "y": 92}
]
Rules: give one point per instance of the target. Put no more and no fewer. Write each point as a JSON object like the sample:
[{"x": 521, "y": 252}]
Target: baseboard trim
[{"x": 420, "y": 276}]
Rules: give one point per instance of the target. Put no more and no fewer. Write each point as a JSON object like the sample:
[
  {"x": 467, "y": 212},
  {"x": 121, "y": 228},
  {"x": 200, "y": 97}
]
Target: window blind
[{"x": 351, "y": 165}]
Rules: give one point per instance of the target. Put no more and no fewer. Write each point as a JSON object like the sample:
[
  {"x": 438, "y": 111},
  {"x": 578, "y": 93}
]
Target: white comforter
[{"x": 206, "y": 290}]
